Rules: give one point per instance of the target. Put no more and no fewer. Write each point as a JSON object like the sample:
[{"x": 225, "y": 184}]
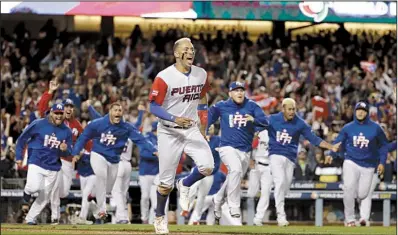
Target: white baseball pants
[
  {"x": 120, "y": 189},
  {"x": 282, "y": 175},
  {"x": 357, "y": 181},
  {"x": 87, "y": 185},
  {"x": 42, "y": 181},
  {"x": 237, "y": 163},
  {"x": 203, "y": 187},
  {"x": 61, "y": 188},
  {"x": 148, "y": 197},
  {"x": 260, "y": 178},
  {"x": 365, "y": 206},
  {"x": 106, "y": 174},
  {"x": 173, "y": 142}
]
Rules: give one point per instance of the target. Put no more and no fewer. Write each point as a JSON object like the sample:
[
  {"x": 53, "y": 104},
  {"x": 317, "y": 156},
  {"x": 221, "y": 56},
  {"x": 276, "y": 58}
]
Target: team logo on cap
[
  {"x": 59, "y": 106},
  {"x": 239, "y": 84},
  {"x": 362, "y": 105},
  {"x": 316, "y": 10}
]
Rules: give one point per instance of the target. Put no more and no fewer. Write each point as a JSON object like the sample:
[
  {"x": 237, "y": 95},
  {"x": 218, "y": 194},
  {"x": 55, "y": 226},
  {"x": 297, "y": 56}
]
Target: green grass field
[{"x": 177, "y": 230}]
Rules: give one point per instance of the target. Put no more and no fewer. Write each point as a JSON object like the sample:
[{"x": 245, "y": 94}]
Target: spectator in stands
[{"x": 302, "y": 170}]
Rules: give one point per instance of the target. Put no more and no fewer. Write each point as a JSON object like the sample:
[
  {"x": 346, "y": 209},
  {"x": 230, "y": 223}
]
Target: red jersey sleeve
[
  {"x": 158, "y": 91},
  {"x": 42, "y": 105},
  {"x": 205, "y": 88}
]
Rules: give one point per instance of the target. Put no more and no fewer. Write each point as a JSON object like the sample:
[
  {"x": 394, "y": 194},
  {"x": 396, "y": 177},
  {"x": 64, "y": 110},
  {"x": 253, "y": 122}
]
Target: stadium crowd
[{"x": 326, "y": 73}]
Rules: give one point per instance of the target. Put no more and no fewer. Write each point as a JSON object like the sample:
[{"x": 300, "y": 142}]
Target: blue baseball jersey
[
  {"x": 149, "y": 163},
  {"x": 284, "y": 135},
  {"x": 219, "y": 179},
  {"x": 214, "y": 143},
  {"x": 110, "y": 139},
  {"x": 84, "y": 166},
  {"x": 236, "y": 130},
  {"x": 43, "y": 139},
  {"x": 392, "y": 146},
  {"x": 363, "y": 143}
]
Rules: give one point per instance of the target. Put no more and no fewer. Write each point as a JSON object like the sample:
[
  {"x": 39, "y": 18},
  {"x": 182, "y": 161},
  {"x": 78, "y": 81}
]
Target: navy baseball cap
[
  {"x": 68, "y": 102},
  {"x": 362, "y": 105},
  {"x": 236, "y": 85},
  {"x": 57, "y": 108}
]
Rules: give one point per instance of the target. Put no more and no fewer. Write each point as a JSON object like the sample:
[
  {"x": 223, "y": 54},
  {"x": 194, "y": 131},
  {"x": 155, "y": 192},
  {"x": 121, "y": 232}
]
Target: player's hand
[
  {"x": 184, "y": 122},
  {"x": 7, "y": 116},
  {"x": 336, "y": 147},
  {"x": 380, "y": 170},
  {"x": 53, "y": 86},
  {"x": 88, "y": 102},
  {"x": 156, "y": 154},
  {"x": 74, "y": 160},
  {"x": 63, "y": 147},
  {"x": 328, "y": 160},
  {"x": 249, "y": 117},
  {"x": 141, "y": 107},
  {"x": 19, "y": 163}
]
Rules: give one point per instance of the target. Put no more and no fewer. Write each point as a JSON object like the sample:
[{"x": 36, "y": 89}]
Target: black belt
[
  {"x": 177, "y": 127},
  {"x": 263, "y": 164}
]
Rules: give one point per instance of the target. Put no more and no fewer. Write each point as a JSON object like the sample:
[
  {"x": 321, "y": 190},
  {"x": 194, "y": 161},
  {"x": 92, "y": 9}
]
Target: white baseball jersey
[
  {"x": 127, "y": 151},
  {"x": 179, "y": 93},
  {"x": 261, "y": 154}
]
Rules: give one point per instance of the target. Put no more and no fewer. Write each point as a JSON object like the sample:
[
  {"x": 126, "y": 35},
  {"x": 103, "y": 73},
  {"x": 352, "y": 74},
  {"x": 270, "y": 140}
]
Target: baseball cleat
[
  {"x": 54, "y": 222},
  {"x": 31, "y": 223},
  {"x": 160, "y": 225},
  {"x": 257, "y": 222},
  {"x": 195, "y": 223},
  {"x": 184, "y": 198},
  {"x": 350, "y": 224},
  {"x": 82, "y": 221},
  {"x": 364, "y": 222},
  {"x": 283, "y": 223},
  {"x": 122, "y": 222}
]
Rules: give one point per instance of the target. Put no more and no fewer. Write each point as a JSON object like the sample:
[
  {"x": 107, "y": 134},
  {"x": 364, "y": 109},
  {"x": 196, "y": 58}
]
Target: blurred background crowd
[{"x": 326, "y": 73}]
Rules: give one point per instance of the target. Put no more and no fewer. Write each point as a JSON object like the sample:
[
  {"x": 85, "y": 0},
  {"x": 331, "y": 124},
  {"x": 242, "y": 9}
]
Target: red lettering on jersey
[
  {"x": 194, "y": 89},
  {"x": 188, "y": 89},
  {"x": 158, "y": 91}
]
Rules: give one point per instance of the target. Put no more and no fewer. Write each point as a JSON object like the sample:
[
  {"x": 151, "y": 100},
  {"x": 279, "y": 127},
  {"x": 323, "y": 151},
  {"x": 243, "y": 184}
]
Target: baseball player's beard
[{"x": 57, "y": 119}]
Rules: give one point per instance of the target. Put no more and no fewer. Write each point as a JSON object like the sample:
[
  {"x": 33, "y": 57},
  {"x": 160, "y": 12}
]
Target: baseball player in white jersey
[
  {"x": 122, "y": 184},
  {"x": 178, "y": 93},
  {"x": 260, "y": 177}
]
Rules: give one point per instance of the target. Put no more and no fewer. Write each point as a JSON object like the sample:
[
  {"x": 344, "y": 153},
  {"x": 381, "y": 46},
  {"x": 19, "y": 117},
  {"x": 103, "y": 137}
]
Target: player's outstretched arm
[
  {"x": 42, "y": 105},
  {"x": 139, "y": 139},
  {"x": 141, "y": 111},
  {"x": 260, "y": 119},
  {"x": 315, "y": 140},
  {"x": 94, "y": 114},
  {"x": 23, "y": 140},
  {"x": 87, "y": 135}
]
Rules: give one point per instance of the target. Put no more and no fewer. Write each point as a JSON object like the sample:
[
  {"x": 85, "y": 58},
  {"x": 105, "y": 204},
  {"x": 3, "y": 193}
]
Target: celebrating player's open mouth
[
  {"x": 68, "y": 111},
  {"x": 116, "y": 114},
  {"x": 58, "y": 118},
  {"x": 189, "y": 59}
]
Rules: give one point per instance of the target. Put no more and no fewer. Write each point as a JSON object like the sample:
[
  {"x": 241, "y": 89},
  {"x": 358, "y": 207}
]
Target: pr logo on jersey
[
  {"x": 316, "y": 10},
  {"x": 360, "y": 141},
  {"x": 108, "y": 139},
  {"x": 283, "y": 137},
  {"x": 75, "y": 132},
  {"x": 51, "y": 141},
  {"x": 237, "y": 119}
]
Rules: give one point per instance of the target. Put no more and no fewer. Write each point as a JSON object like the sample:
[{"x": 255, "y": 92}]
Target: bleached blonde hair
[
  {"x": 178, "y": 42},
  {"x": 288, "y": 101}
]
